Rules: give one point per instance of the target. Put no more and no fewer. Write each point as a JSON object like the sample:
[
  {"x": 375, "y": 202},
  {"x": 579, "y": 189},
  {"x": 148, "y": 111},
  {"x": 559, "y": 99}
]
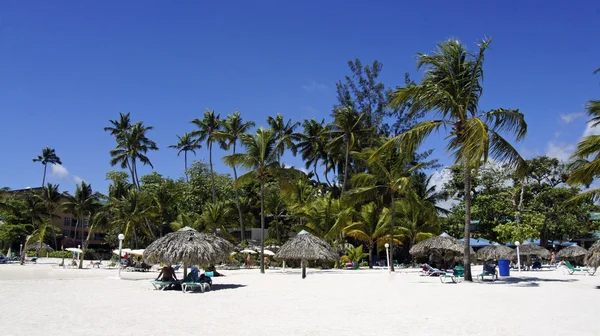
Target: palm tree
[
  {"x": 132, "y": 146},
  {"x": 130, "y": 213},
  {"x": 48, "y": 156},
  {"x": 451, "y": 88},
  {"x": 390, "y": 176},
  {"x": 207, "y": 128},
  {"x": 345, "y": 130},
  {"x": 119, "y": 127},
  {"x": 214, "y": 218},
  {"x": 50, "y": 197},
  {"x": 186, "y": 144},
  {"x": 83, "y": 204},
  {"x": 284, "y": 133},
  {"x": 427, "y": 192},
  {"x": 371, "y": 228},
  {"x": 418, "y": 220},
  {"x": 233, "y": 128},
  {"x": 312, "y": 144},
  {"x": 261, "y": 161}
]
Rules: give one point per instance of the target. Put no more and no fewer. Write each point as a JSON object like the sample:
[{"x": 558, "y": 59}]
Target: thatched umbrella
[
  {"x": 592, "y": 259},
  {"x": 495, "y": 252},
  {"x": 189, "y": 247},
  {"x": 306, "y": 247},
  {"x": 36, "y": 246},
  {"x": 529, "y": 250},
  {"x": 443, "y": 245},
  {"x": 573, "y": 252}
]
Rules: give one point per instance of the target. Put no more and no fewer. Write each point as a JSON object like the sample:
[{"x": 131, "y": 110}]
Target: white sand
[{"x": 334, "y": 302}]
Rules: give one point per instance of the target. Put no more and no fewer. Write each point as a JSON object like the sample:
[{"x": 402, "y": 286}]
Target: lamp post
[
  {"x": 387, "y": 255},
  {"x": 20, "y": 248},
  {"x": 80, "y": 256},
  {"x": 121, "y": 237},
  {"x": 518, "y": 256}
]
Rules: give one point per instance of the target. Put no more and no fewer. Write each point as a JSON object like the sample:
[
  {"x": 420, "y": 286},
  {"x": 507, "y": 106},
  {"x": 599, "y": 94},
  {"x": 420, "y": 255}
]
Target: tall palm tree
[
  {"x": 130, "y": 213},
  {"x": 261, "y": 161},
  {"x": 83, "y": 205},
  {"x": 119, "y": 127},
  {"x": 233, "y": 128},
  {"x": 390, "y": 176},
  {"x": 50, "y": 197},
  {"x": 186, "y": 144},
  {"x": 345, "y": 131},
  {"x": 450, "y": 89},
  {"x": 312, "y": 144},
  {"x": 284, "y": 133},
  {"x": 132, "y": 146},
  {"x": 207, "y": 128},
  {"x": 586, "y": 169},
  {"x": 48, "y": 156},
  {"x": 418, "y": 220}
]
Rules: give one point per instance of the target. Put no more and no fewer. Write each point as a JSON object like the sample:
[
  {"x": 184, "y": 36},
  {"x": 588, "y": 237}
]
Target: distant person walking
[{"x": 248, "y": 261}]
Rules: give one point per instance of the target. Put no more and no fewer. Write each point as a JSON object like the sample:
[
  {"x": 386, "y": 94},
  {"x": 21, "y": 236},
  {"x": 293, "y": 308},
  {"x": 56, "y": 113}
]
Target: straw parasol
[
  {"x": 306, "y": 247},
  {"x": 572, "y": 252},
  {"x": 443, "y": 245},
  {"x": 495, "y": 252},
  {"x": 36, "y": 246},
  {"x": 189, "y": 247},
  {"x": 592, "y": 259},
  {"x": 529, "y": 250}
]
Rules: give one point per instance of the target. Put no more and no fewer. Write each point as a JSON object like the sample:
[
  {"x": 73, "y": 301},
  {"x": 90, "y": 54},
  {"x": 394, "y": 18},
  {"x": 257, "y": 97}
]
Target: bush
[
  {"x": 345, "y": 259},
  {"x": 364, "y": 264},
  {"x": 60, "y": 254}
]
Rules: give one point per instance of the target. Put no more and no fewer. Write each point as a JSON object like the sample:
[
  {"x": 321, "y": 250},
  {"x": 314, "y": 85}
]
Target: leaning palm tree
[
  {"x": 83, "y": 204},
  {"x": 207, "y": 129},
  {"x": 48, "y": 156},
  {"x": 312, "y": 144},
  {"x": 586, "y": 169},
  {"x": 233, "y": 128},
  {"x": 50, "y": 197},
  {"x": 186, "y": 144},
  {"x": 451, "y": 88},
  {"x": 389, "y": 176},
  {"x": 261, "y": 161}
]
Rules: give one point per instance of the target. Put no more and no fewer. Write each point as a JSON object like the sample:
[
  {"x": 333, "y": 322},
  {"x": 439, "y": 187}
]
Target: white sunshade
[
  {"x": 137, "y": 252},
  {"x": 123, "y": 251},
  {"x": 74, "y": 249},
  {"x": 248, "y": 251},
  {"x": 269, "y": 253}
]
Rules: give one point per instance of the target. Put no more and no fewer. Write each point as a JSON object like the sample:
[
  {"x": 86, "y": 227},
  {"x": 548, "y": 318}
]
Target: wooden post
[
  {"x": 184, "y": 271},
  {"x": 303, "y": 268}
]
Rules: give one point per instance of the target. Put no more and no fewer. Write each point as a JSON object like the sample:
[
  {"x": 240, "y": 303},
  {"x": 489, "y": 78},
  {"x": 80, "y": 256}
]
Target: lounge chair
[
  {"x": 427, "y": 270},
  {"x": 204, "y": 283},
  {"x": 457, "y": 275},
  {"x": 570, "y": 269},
  {"x": 489, "y": 271},
  {"x": 162, "y": 285}
]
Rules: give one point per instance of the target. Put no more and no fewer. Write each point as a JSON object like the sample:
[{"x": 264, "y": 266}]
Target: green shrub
[
  {"x": 60, "y": 254},
  {"x": 364, "y": 264}
]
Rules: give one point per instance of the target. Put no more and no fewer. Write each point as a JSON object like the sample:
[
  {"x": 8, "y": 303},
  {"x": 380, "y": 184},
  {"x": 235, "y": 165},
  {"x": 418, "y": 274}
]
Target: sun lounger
[
  {"x": 570, "y": 269},
  {"x": 457, "y": 275},
  {"x": 162, "y": 285},
  {"x": 204, "y": 283},
  {"x": 430, "y": 271},
  {"x": 489, "y": 271}
]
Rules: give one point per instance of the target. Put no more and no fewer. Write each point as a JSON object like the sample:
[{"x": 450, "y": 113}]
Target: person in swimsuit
[{"x": 167, "y": 273}]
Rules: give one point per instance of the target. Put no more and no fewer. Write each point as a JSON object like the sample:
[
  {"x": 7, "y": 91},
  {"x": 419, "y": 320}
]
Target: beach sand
[{"x": 55, "y": 301}]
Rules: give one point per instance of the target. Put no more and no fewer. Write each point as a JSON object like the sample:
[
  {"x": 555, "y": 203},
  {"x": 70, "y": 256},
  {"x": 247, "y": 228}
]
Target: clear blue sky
[{"x": 66, "y": 68}]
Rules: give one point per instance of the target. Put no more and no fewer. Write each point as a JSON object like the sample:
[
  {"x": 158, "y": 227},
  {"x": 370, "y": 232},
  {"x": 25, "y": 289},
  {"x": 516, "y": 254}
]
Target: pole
[
  {"x": 20, "y": 249},
  {"x": 387, "y": 256},
  {"x": 518, "y": 259},
  {"x": 119, "y": 264}
]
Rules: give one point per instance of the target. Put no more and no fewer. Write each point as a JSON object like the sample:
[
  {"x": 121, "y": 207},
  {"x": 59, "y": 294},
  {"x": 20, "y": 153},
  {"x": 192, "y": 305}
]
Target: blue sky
[{"x": 66, "y": 68}]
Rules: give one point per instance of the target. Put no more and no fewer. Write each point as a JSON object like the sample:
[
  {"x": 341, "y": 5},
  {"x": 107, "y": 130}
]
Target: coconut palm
[
  {"x": 129, "y": 214},
  {"x": 371, "y": 227},
  {"x": 312, "y": 144},
  {"x": 132, "y": 146},
  {"x": 50, "y": 197},
  {"x": 284, "y": 133},
  {"x": 207, "y": 129},
  {"x": 345, "y": 132},
  {"x": 261, "y": 161},
  {"x": 48, "y": 156},
  {"x": 233, "y": 128},
  {"x": 389, "y": 176},
  {"x": 326, "y": 217},
  {"x": 427, "y": 192},
  {"x": 119, "y": 127},
  {"x": 215, "y": 218},
  {"x": 186, "y": 144},
  {"x": 451, "y": 88},
  {"x": 417, "y": 219},
  {"x": 83, "y": 204}
]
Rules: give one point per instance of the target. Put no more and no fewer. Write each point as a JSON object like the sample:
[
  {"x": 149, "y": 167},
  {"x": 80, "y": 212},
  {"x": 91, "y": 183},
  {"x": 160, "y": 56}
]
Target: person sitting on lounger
[{"x": 167, "y": 273}]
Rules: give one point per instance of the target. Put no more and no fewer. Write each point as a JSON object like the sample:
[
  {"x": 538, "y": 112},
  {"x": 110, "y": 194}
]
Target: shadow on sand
[
  {"x": 526, "y": 281},
  {"x": 217, "y": 287}
]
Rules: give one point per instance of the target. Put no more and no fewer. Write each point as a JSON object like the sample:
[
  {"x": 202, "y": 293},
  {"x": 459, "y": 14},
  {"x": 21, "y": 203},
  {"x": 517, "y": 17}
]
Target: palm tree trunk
[
  {"x": 212, "y": 173},
  {"x": 316, "y": 174},
  {"x": 392, "y": 222},
  {"x": 239, "y": 203},
  {"x": 185, "y": 166},
  {"x": 135, "y": 174},
  {"x": 82, "y": 244},
  {"x": 467, "y": 252},
  {"x": 44, "y": 178},
  {"x": 371, "y": 254},
  {"x": 76, "y": 225},
  {"x": 346, "y": 167},
  {"x": 262, "y": 225}
]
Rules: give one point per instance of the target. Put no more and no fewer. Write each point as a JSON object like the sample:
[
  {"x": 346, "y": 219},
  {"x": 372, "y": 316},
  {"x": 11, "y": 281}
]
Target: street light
[
  {"x": 121, "y": 237},
  {"x": 518, "y": 256},
  {"x": 80, "y": 256},
  {"x": 387, "y": 255},
  {"x": 20, "y": 248}
]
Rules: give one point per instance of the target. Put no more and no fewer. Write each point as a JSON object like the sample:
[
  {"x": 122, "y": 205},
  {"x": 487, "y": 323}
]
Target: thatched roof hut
[
  {"x": 495, "y": 252},
  {"x": 442, "y": 245},
  {"x": 572, "y": 252},
  {"x": 189, "y": 247},
  {"x": 304, "y": 247},
  {"x": 592, "y": 259},
  {"x": 529, "y": 250},
  {"x": 36, "y": 246}
]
